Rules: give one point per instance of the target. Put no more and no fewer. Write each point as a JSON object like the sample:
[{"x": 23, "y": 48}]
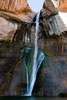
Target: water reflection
[{"x": 32, "y": 98}]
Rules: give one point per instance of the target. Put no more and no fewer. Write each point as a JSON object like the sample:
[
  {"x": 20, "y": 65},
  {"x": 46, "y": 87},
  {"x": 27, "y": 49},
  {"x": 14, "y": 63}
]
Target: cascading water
[
  {"x": 34, "y": 68},
  {"x": 38, "y": 57}
]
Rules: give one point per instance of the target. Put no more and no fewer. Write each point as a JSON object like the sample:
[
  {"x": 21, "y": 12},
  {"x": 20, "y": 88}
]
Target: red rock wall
[
  {"x": 13, "y": 5},
  {"x": 63, "y": 5}
]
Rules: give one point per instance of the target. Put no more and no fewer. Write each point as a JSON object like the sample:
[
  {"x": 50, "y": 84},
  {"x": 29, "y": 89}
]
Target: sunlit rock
[
  {"x": 17, "y": 8},
  {"x": 63, "y": 5},
  {"x": 7, "y": 29},
  {"x": 57, "y": 21},
  {"x": 13, "y": 5},
  {"x": 10, "y": 10},
  {"x": 60, "y": 5}
]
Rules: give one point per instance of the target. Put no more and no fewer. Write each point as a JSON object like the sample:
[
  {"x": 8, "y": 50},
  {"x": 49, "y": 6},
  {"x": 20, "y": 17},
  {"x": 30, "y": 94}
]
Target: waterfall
[{"x": 34, "y": 67}]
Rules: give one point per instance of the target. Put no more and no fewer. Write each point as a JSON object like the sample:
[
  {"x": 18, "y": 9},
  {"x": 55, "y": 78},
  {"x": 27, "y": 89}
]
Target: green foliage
[{"x": 28, "y": 60}]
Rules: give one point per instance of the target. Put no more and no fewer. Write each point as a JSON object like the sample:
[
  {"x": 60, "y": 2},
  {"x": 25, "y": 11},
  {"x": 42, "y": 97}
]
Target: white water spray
[
  {"x": 34, "y": 67},
  {"x": 34, "y": 70}
]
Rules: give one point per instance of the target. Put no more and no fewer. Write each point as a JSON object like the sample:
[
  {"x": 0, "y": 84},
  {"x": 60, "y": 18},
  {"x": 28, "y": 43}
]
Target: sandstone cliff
[
  {"x": 50, "y": 11},
  {"x": 17, "y": 8},
  {"x": 13, "y": 5},
  {"x": 52, "y": 76},
  {"x": 63, "y": 7},
  {"x": 60, "y": 5},
  {"x": 51, "y": 6},
  {"x": 48, "y": 8}
]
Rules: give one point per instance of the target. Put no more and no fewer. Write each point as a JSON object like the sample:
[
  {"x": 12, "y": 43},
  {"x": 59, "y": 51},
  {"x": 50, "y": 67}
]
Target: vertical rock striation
[
  {"x": 56, "y": 20},
  {"x": 11, "y": 12},
  {"x": 13, "y": 5}
]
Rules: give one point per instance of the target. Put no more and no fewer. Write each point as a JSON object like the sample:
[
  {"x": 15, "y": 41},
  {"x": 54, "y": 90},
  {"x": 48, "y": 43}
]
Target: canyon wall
[
  {"x": 14, "y": 26},
  {"x": 11, "y": 13},
  {"x": 16, "y": 9},
  {"x": 51, "y": 6},
  {"x": 13, "y": 5},
  {"x": 51, "y": 11},
  {"x": 61, "y": 5}
]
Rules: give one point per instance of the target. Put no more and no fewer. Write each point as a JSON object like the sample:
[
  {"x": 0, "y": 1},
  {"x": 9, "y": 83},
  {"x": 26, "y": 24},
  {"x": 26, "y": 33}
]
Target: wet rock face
[
  {"x": 27, "y": 34},
  {"x": 52, "y": 77},
  {"x": 12, "y": 74},
  {"x": 25, "y": 31},
  {"x": 13, "y": 5}
]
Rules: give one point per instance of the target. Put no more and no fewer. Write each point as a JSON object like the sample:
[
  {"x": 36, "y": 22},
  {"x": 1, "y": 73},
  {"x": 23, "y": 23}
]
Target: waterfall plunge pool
[{"x": 32, "y": 98}]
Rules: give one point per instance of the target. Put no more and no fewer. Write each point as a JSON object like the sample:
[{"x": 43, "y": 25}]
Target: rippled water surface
[{"x": 32, "y": 98}]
